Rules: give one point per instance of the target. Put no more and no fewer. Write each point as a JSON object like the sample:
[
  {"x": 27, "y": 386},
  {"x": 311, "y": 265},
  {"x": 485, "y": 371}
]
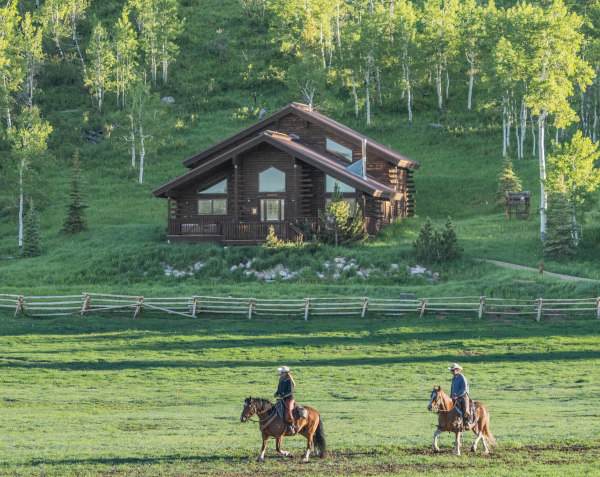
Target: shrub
[
  {"x": 435, "y": 245},
  {"x": 75, "y": 219},
  {"x": 508, "y": 180},
  {"x": 32, "y": 240},
  {"x": 559, "y": 242},
  {"x": 337, "y": 225}
]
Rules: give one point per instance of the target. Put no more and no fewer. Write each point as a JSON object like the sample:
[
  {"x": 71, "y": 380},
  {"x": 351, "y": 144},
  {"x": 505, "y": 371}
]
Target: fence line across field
[{"x": 194, "y": 306}]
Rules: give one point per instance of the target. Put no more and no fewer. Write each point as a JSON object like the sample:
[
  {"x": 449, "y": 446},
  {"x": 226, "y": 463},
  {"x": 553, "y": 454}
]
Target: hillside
[{"x": 124, "y": 250}]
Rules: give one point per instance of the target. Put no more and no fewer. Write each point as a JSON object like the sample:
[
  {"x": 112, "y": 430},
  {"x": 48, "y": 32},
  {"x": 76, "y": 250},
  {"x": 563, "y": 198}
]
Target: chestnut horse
[
  {"x": 271, "y": 425},
  {"x": 448, "y": 421}
]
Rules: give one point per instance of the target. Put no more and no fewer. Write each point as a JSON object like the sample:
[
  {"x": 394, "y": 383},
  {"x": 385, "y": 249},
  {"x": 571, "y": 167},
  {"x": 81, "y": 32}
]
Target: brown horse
[
  {"x": 271, "y": 425},
  {"x": 448, "y": 417}
]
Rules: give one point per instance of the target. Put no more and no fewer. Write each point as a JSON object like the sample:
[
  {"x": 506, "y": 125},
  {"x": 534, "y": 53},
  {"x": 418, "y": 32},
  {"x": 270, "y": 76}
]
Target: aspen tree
[
  {"x": 31, "y": 134},
  {"x": 102, "y": 60},
  {"x": 125, "y": 47},
  {"x": 12, "y": 67},
  {"x": 30, "y": 46}
]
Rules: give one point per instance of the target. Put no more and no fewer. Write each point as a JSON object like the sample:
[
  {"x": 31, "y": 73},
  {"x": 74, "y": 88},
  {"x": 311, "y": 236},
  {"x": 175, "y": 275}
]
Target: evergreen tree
[
  {"x": 508, "y": 180},
  {"x": 423, "y": 246},
  {"x": 356, "y": 229},
  {"x": 75, "y": 220},
  {"x": 559, "y": 244},
  {"x": 449, "y": 247},
  {"x": 32, "y": 240}
]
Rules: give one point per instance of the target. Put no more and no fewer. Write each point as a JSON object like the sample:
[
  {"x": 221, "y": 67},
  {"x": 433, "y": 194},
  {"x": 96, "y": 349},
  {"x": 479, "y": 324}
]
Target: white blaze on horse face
[{"x": 433, "y": 396}]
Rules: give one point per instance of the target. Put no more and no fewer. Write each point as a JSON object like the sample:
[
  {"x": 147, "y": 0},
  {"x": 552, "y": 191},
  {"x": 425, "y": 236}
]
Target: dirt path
[{"x": 531, "y": 269}]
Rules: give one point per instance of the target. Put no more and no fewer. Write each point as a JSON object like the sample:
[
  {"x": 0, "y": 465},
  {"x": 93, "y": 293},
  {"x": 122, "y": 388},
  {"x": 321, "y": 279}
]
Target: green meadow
[{"x": 118, "y": 396}]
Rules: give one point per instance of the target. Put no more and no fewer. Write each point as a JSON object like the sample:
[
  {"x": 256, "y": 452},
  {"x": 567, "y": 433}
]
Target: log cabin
[{"x": 281, "y": 172}]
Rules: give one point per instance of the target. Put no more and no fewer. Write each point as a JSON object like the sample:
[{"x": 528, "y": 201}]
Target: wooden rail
[{"x": 195, "y": 306}]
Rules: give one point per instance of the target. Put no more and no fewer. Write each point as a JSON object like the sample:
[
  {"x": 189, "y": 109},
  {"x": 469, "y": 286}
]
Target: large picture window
[
  {"x": 344, "y": 188},
  {"x": 271, "y": 180},
  {"x": 338, "y": 149},
  {"x": 272, "y": 210},
  {"x": 213, "y": 200}
]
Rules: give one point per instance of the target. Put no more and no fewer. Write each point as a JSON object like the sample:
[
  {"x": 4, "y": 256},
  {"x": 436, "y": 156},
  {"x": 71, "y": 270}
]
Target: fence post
[
  {"x": 86, "y": 304},
  {"x": 250, "y": 306},
  {"x": 306, "y": 308},
  {"x": 423, "y": 305},
  {"x": 598, "y": 307},
  {"x": 539, "y": 312},
  {"x": 365, "y": 305},
  {"x": 20, "y": 306},
  {"x": 481, "y": 303},
  {"x": 194, "y": 306},
  {"x": 138, "y": 308}
]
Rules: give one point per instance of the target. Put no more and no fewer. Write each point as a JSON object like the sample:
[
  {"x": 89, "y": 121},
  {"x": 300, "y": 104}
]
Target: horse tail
[
  {"x": 319, "y": 439},
  {"x": 485, "y": 430}
]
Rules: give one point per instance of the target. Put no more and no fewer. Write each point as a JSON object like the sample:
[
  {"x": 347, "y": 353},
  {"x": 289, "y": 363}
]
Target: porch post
[{"x": 236, "y": 198}]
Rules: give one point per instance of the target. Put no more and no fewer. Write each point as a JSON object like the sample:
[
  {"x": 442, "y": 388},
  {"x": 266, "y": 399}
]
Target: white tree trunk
[
  {"x": 408, "y": 96},
  {"x": 438, "y": 80},
  {"x": 556, "y": 140},
  {"x": 99, "y": 79},
  {"x": 132, "y": 139},
  {"x": 355, "y": 97},
  {"x": 368, "y": 99},
  {"x": 504, "y": 127},
  {"x": 575, "y": 230},
  {"x": 76, "y": 40},
  {"x": 518, "y": 138},
  {"x": 7, "y": 100},
  {"x": 323, "y": 50},
  {"x": 165, "y": 64},
  {"x": 379, "y": 87},
  {"x": 595, "y": 127},
  {"x": 534, "y": 150},
  {"x": 21, "y": 203},
  {"x": 469, "y": 98},
  {"x": 523, "y": 127},
  {"x": 447, "y": 80},
  {"x": 337, "y": 26},
  {"x": 542, "y": 160}
]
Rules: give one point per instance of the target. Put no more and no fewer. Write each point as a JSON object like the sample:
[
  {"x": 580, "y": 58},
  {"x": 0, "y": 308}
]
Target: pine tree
[
  {"x": 449, "y": 247},
  {"x": 424, "y": 243},
  {"x": 32, "y": 240},
  {"x": 356, "y": 230},
  {"x": 508, "y": 180},
  {"x": 75, "y": 220},
  {"x": 559, "y": 244}
]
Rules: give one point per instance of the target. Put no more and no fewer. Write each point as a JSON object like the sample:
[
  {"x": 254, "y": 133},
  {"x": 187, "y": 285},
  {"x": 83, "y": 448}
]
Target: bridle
[
  {"x": 252, "y": 410},
  {"x": 434, "y": 403}
]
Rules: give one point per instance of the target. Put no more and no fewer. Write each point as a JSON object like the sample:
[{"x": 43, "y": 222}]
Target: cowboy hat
[
  {"x": 283, "y": 369},
  {"x": 455, "y": 366}
]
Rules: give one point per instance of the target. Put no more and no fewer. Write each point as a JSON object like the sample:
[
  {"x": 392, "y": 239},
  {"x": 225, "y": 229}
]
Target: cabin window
[
  {"x": 271, "y": 180},
  {"x": 330, "y": 186},
  {"x": 212, "y": 206},
  {"x": 272, "y": 210},
  {"x": 338, "y": 149},
  {"x": 218, "y": 188},
  {"x": 213, "y": 199}
]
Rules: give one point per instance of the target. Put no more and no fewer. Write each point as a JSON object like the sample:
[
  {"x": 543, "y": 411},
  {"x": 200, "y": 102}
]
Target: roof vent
[{"x": 294, "y": 137}]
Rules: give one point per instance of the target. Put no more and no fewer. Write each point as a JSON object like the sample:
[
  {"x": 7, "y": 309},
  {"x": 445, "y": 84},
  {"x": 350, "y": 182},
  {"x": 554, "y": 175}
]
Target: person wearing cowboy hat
[
  {"x": 459, "y": 392},
  {"x": 285, "y": 392}
]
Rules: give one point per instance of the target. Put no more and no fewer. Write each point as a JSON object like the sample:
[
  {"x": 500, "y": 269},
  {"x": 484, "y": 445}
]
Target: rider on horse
[
  {"x": 285, "y": 393},
  {"x": 460, "y": 393}
]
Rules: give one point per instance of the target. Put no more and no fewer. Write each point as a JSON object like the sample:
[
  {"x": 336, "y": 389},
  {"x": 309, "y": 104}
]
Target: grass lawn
[{"x": 154, "y": 396}]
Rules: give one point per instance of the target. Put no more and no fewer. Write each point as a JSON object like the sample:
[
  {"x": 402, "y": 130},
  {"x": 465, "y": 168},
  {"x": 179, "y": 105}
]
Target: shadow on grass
[{"x": 497, "y": 358}]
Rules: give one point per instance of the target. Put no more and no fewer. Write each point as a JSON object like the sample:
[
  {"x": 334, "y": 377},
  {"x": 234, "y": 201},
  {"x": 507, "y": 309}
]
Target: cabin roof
[
  {"x": 286, "y": 143},
  {"x": 312, "y": 116}
]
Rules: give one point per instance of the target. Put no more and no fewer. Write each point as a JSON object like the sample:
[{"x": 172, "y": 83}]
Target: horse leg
[
  {"x": 485, "y": 428},
  {"x": 278, "y": 445},
  {"x": 435, "y": 444},
  {"x": 457, "y": 443},
  {"x": 309, "y": 443},
  {"x": 479, "y": 436},
  {"x": 261, "y": 456}
]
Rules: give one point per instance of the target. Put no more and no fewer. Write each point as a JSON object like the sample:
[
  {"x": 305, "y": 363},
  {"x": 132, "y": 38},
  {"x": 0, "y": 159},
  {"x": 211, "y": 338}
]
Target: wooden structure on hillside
[
  {"x": 281, "y": 172},
  {"x": 517, "y": 204}
]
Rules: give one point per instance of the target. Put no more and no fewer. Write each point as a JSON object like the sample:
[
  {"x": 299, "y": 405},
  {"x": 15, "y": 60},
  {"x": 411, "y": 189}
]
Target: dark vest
[{"x": 285, "y": 389}]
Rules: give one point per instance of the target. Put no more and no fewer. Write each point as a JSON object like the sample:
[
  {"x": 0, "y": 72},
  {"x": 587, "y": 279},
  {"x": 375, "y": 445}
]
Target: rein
[{"x": 273, "y": 410}]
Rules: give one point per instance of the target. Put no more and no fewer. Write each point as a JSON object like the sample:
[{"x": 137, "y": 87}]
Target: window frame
[{"x": 280, "y": 209}]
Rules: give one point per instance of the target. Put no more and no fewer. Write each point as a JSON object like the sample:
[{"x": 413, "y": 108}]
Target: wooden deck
[{"x": 230, "y": 232}]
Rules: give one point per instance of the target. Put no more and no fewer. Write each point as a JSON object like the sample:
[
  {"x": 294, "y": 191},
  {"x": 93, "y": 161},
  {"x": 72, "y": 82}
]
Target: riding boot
[{"x": 290, "y": 429}]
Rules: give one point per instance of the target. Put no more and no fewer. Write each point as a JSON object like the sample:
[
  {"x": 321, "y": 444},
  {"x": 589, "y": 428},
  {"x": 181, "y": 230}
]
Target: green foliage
[
  {"x": 75, "y": 220},
  {"x": 337, "y": 226},
  {"x": 508, "y": 180},
  {"x": 32, "y": 238},
  {"x": 272, "y": 241},
  {"x": 437, "y": 245},
  {"x": 559, "y": 242}
]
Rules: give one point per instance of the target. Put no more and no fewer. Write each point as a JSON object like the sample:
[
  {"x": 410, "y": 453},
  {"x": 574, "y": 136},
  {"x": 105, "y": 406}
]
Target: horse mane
[{"x": 262, "y": 404}]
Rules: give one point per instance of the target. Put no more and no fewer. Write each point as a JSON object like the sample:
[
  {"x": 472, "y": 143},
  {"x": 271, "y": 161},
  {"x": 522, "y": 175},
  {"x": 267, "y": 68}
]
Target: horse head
[
  {"x": 434, "y": 400},
  {"x": 249, "y": 409}
]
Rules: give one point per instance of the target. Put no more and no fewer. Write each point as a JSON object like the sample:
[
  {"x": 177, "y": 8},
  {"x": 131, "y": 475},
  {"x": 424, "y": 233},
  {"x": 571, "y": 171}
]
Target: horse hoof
[
  {"x": 260, "y": 459},
  {"x": 473, "y": 449},
  {"x": 436, "y": 449}
]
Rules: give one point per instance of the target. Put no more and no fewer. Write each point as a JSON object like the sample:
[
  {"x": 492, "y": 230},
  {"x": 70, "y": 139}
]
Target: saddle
[{"x": 298, "y": 412}]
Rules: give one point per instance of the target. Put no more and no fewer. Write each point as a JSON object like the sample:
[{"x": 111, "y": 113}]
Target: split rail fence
[{"x": 195, "y": 306}]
